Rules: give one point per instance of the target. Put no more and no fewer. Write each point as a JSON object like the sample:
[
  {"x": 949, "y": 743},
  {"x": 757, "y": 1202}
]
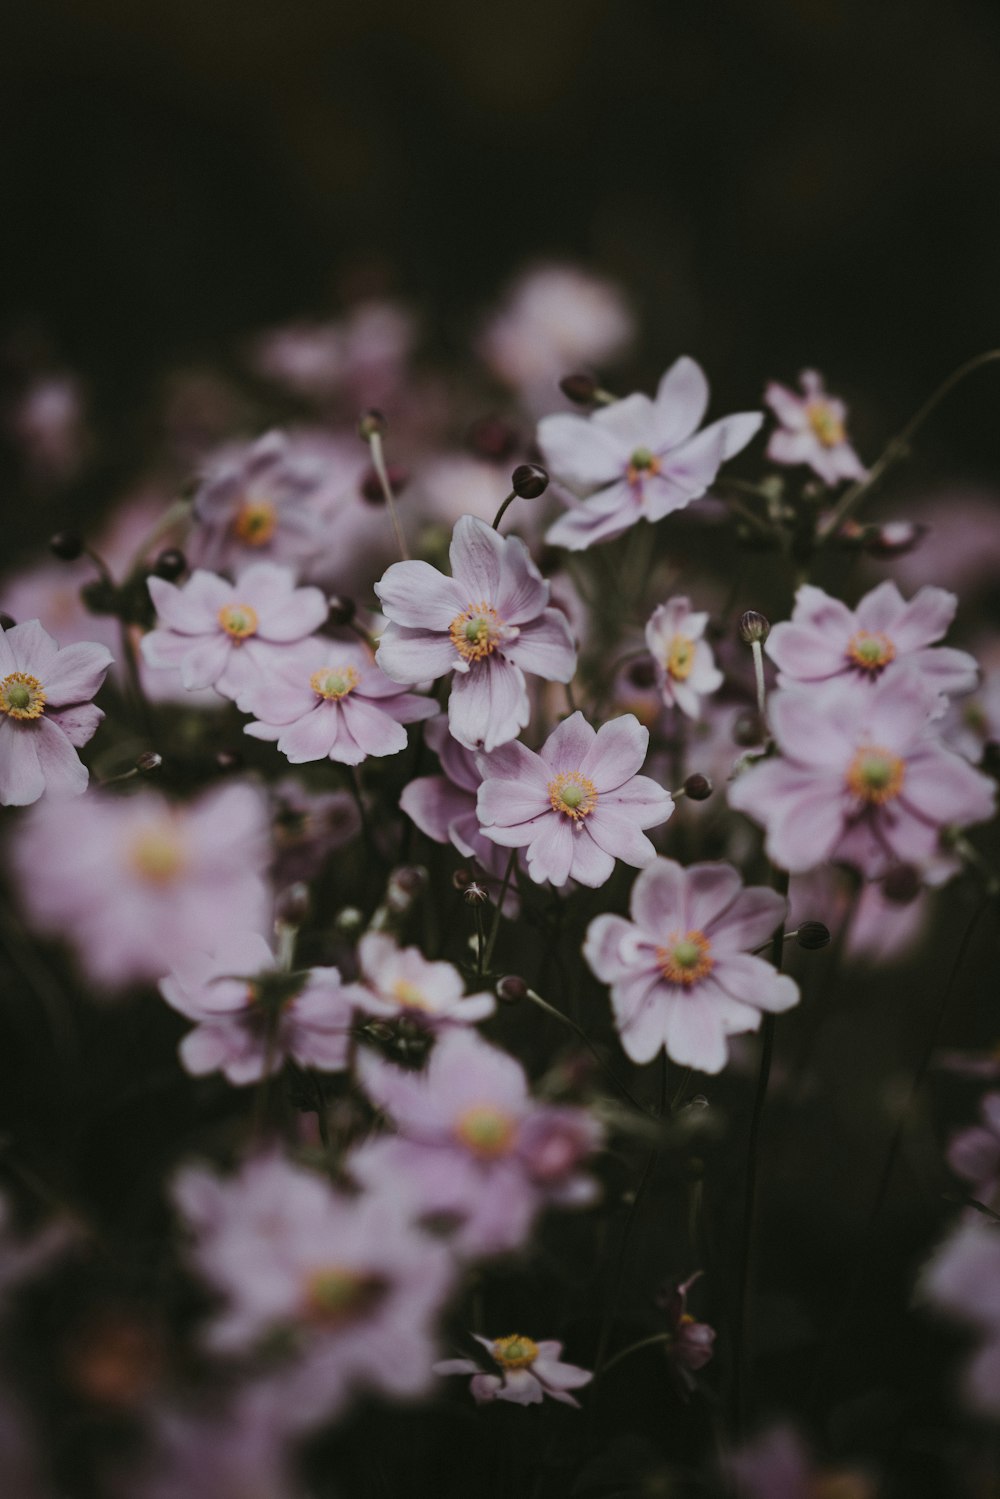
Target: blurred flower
[
  {"x": 860, "y": 779},
  {"x": 578, "y": 804},
  {"x": 400, "y": 981},
  {"x": 250, "y": 1017},
  {"x": 638, "y": 459},
  {"x": 46, "y": 713},
  {"x": 974, "y": 1153},
  {"x": 488, "y": 624},
  {"x": 48, "y": 425},
  {"x": 226, "y": 635},
  {"x": 528, "y": 1371},
  {"x": 777, "y": 1465},
  {"x": 685, "y": 667},
  {"x": 812, "y": 430},
  {"x": 308, "y": 826},
  {"x": 131, "y": 881},
  {"x": 25, "y": 1255},
  {"x": 361, "y": 357},
  {"x": 326, "y": 699},
  {"x": 680, "y": 973},
  {"x": 690, "y": 1346},
  {"x": 963, "y": 1279},
  {"x": 240, "y": 1451}
]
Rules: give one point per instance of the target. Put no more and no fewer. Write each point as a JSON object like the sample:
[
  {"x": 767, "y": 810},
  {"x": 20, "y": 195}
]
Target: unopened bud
[
  {"x": 371, "y": 486},
  {"x": 754, "y": 627},
  {"x": 372, "y": 423},
  {"x": 148, "y": 761},
  {"x": 812, "y": 935},
  {"x": 698, "y": 788},
  {"x": 342, "y": 610},
  {"x": 511, "y": 990},
  {"x": 901, "y": 884},
  {"x": 405, "y": 884},
  {"x": 893, "y": 538},
  {"x": 66, "y": 545},
  {"x": 293, "y": 905},
  {"x": 749, "y": 728},
  {"x": 529, "y": 480},
  {"x": 475, "y": 894},
  {"x": 461, "y": 879},
  {"x": 170, "y": 564},
  {"x": 492, "y": 437},
  {"x": 580, "y": 389},
  {"x": 348, "y": 920}
]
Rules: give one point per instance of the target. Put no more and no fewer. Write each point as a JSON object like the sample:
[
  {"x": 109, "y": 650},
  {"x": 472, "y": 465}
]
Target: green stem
[{"x": 543, "y": 1004}]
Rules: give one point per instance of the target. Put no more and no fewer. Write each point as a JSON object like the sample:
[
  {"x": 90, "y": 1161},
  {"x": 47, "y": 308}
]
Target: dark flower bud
[
  {"x": 893, "y": 538},
  {"x": 511, "y": 990},
  {"x": 642, "y": 674},
  {"x": 580, "y": 389},
  {"x": 342, "y": 609},
  {"x": 371, "y": 487},
  {"x": 170, "y": 564},
  {"x": 148, "y": 761},
  {"x": 371, "y": 424},
  {"x": 698, "y": 788},
  {"x": 348, "y": 921},
  {"x": 229, "y": 760},
  {"x": 749, "y": 728},
  {"x": 100, "y": 597},
  {"x": 812, "y": 935},
  {"x": 292, "y": 906},
  {"x": 7, "y": 621},
  {"x": 901, "y": 884},
  {"x": 475, "y": 894},
  {"x": 405, "y": 884},
  {"x": 529, "y": 480},
  {"x": 492, "y": 437},
  {"x": 754, "y": 627},
  {"x": 66, "y": 545},
  {"x": 461, "y": 879}
]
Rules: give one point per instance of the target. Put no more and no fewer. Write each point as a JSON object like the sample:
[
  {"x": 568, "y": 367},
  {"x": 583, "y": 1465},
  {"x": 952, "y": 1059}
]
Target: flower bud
[
  {"x": 461, "y": 879},
  {"x": 66, "y": 545},
  {"x": 511, "y": 989},
  {"x": 749, "y": 728},
  {"x": 491, "y": 437},
  {"x": 529, "y": 480},
  {"x": 371, "y": 487},
  {"x": 342, "y": 609},
  {"x": 893, "y": 538},
  {"x": 170, "y": 564},
  {"x": 754, "y": 627},
  {"x": 405, "y": 884},
  {"x": 580, "y": 389},
  {"x": 901, "y": 884},
  {"x": 292, "y": 906},
  {"x": 475, "y": 894},
  {"x": 697, "y": 788},
  {"x": 812, "y": 935},
  {"x": 371, "y": 423},
  {"x": 348, "y": 920},
  {"x": 148, "y": 761}
]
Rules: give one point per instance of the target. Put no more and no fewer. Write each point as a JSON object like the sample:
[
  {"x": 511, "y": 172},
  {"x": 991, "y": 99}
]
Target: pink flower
[
  {"x": 691, "y": 1343},
  {"x": 884, "y": 634},
  {"x": 812, "y": 430},
  {"x": 327, "y": 700},
  {"x": 861, "y": 778},
  {"x": 974, "y": 1153},
  {"x": 349, "y": 1283},
  {"x": 578, "y": 804},
  {"x": 251, "y": 1017},
  {"x": 638, "y": 459},
  {"x": 488, "y": 624},
  {"x": 680, "y": 971},
  {"x": 685, "y": 667},
  {"x": 132, "y": 881},
  {"x": 963, "y": 1279},
  {"x": 228, "y": 635},
  {"x": 527, "y": 1372},
  {"x": 400, "y": 981},
  {"x": 45, "y": 713},
  {"x": 307, "y": 829},
  {"x": 778, "y": 1465}
]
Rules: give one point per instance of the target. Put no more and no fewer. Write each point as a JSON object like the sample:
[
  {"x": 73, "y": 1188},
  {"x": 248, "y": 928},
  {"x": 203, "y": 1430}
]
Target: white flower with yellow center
[{"x": 685, "y": 667}]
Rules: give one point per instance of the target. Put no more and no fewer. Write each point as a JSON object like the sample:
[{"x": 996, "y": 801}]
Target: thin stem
[
  {"x": 899, "y": 446},
  {"x": 503, "y": 509},
  {"x": 758, "y": 671},
  {"x": 480, "y": 940},
  {"x": 660, "y": 1337},
  {"x": 543, "y": 1004},
  {"x": 378, "y": 463},
  {"x": 495, "y": 924}
]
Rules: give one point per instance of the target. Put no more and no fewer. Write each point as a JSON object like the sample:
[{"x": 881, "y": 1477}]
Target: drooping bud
[
  {"x": 749, "y": 729},
  {"x": 754, "y": 628},
  {"x": 372, "y": 423},
  {"x": 371, "y": 485},
  {"x": 292, "y": 906},
  {"x": 697, "y": 788},
  {"x": 511, "y": 989},
  {"x": 529, "y": 480},
  {"x": 170, "y": 564},
  {"x": 812, "y": 935},
  {"x": 902, "y": 884},
  {"x": 475, "y": 894},
  {"x": 66, "y": 545},
  {"x": 580, "y": 389},
  {"x": 148, "y": 761},
  {"x": 461, "y": 879},
  {"x": 342, "y": 609}
]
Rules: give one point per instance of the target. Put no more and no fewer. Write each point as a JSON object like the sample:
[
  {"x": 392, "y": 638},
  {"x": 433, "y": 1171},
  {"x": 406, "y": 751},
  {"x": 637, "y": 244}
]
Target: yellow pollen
[
  {"x": 871, "y": 650},
  {"x": 409, "y": 995},
  {"x": 486, "y": 1131},
  {"x": 337, "y": 1294},
  {"x": 826, "y": 424},
  {"x": 334, "y": 681},
  {"x": 573, "y": 794},
  {"x": 685, "y": 960},
  {"x": 680, "y": 657},
  {"x": 22, "y": 696},
  {"x": 641, "y": 464},
  {"x": 255, "y": 522},
  {"x": 515, "y": 1352},
  {"x": 157, "y": 854},
  {"x": 476, "y": 632},
  {"x": 238, "y": 620},
  {"x": 875, "y": 775}
]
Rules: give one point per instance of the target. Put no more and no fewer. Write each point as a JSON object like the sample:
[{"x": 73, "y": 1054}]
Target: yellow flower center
[
  {"x": 409, "y": 995},
  {"x": 642, "y": 462},
  {"x": 871, "y": 650},
  {"x": 255, "y": 522},
  {"x": 334, "y": 681},
  {"x": 238, "y": 620},
  {"x": 337, "y": 1294},
  {"x": 22, "y": 696},
  {"x": 826, "y": 424},
  {"x": 573, "y": 794},
  {"x": 158, "y": 853},
  {"x": 875, "y": 775},
  {"x": 486, "y": 1130},
  {"x": 515, "y": 1352},
  {"x": 685, "y": 960},
  {"x": 680, "y": 657},
  {"x": 476, "y": 632}
]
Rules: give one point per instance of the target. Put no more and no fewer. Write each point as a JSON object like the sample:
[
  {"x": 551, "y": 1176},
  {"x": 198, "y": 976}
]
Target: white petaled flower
[{"x": 685, "y": 667}]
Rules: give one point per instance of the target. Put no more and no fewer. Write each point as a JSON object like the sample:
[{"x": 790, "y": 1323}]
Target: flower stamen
[
  {"x": 238, "y": 620},
  {"x": 515, "y": 1351},
  {"x": 680, "y": 657},
  {"x": 643, "y": 463},
  {"x": 685, "y": 960},
  {"x": 825, "y": 423},
  {"x": 334, "y": 682},
  {"x": 476, "y": 632},
  {"x": 485, "y": 1130},
  {"x": 871, "y": 650},
  {"x": 875, "y": 775},
  {"x": 255, "y": 522},
  {"x": 337, "y": 1294},
  {"x": 573, "y": 793},
  {"x": 22, "y": 696},
  {"x": 158, "y": 854}
]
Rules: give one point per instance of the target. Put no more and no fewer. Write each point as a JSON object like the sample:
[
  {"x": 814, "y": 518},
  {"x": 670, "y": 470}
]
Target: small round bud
[
  {"x": 348, "y": 920},
  {"x": 475, "y": 894},
  {"x": 371, "y": 423},
  {"x": 812, "y": 935},
  {"x": 749, "y": 729},
  {"x": 101, "y": 597},
  {"x": 405, "y": 884},
  {"x": 754, "y": 627},
  {"x": 461, "y": 879},
  {"x": 371, "y": 486},
  {"x": 342, "y": 609},
  {"x": 580, "y": 389},
  {"x": 698, "y": 788},
  {"x": 170, "y": 564},
  {"x": 7, "y": 621},
  {"x": 901, "y": 884},
  {"x": 893, "y": 538},
  {"x": 229, "y": 760},
  {"x": 148, "y": 761},
  {"x": 642, "y": 674},
  {"x": 293, "y": 905},
  {"x": 511, "y": 990},
  {"x": 529, "y": 480},
  {"x": 66, "y": 545},
  {"x": 491, "y": 437}
]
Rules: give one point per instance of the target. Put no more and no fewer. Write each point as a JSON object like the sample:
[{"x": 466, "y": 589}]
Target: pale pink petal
[
  {"x": 79, "y": 723},
  {"x": 488, "y": 705},
  {"x": 681, "y": 402},
  {"x": 311, "y": 737},
  {"x": 65, "y": 774},
  {"x": 76, "y": 674},
  {"x": 617, "y": 753},
  {"x": 710, "y": 890},
  {"x": 579, "y": 452},
  {"x": 417, "y": 595},
  {"x": 408, "y": 655},
  {"x": 21, "y": 778},
  {"x": 550, "y": 853},
  {"x": 545, "y": 647},
  {"x": 568, "y": 745},
  {"x": 476, "y": 554}
]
